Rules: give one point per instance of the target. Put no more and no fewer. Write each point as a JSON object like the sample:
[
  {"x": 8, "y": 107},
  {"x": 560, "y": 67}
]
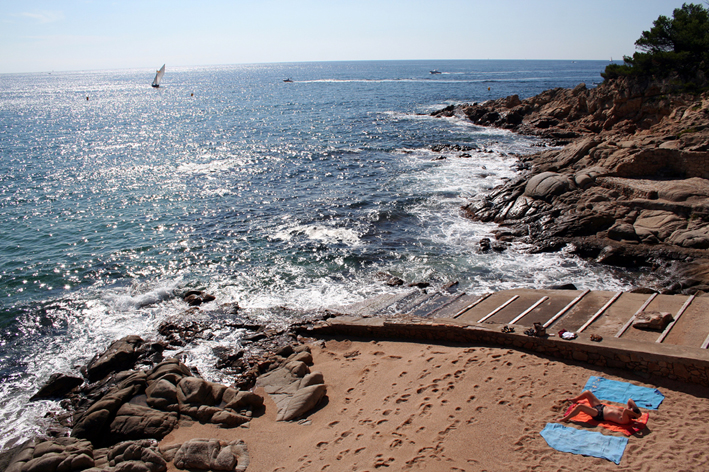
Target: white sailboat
[{"x": 158, "y": 76}]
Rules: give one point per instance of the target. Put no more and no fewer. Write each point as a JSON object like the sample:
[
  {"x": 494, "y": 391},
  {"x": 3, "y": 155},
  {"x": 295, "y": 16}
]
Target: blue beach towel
[
  {"x": 620, "y": 392},
  {"x": 586, "y": 443}
]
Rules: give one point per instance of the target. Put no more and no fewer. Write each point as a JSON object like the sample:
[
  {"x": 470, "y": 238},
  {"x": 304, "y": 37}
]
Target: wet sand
[{"x": 411, "y": 406}]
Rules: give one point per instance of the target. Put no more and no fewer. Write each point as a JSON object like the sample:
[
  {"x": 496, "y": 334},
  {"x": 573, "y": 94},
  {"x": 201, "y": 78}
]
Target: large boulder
[
  {"x": 212, "y": 454},
  {"x": 122, "y": 355},
  {"x": 695, "y": 239},
  {"x": 658, "y": 223},
  {"x": 93, "y": 423},
  {"x": 139, "y": 422},
  {"x": 162, "y": 394},
  {"x": 301, "y": 402},
  {"x": 57, "y": 386},
  {"x": 293, "y": 388},
  {"x": 622, "y": 231},
  {"x": 171, "y": 370},
  {"x": 55, "y": 455},
  {"x": 547, "y": 185},
  {"x": 210, "y": 402},
  {"x": 141, "y": 455},
  {"x": 196, "y": 391}
]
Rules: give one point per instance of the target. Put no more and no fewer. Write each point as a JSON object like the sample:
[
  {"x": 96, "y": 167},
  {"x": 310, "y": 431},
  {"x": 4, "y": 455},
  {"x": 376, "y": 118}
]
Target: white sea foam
[
  {"x": 323, "y": 233},
  {"x": 213, "y": 166},
  {"x": 131, "y": 301},
  {"x": 91, "y": 325}
]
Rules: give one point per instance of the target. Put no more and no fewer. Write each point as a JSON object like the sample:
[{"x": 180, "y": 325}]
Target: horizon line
[{"x": 304, "y": 62}]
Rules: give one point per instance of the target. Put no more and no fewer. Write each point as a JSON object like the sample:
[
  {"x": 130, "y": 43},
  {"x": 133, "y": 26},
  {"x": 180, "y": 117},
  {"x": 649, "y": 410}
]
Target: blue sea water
[{"x": 115, "y": 197}]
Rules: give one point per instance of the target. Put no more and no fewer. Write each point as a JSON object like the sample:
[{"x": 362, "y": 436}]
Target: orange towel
[{"x": 627, "y": 429}]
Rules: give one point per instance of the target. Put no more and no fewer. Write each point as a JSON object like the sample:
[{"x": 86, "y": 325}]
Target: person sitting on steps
[{"x": 601, "y": 412}]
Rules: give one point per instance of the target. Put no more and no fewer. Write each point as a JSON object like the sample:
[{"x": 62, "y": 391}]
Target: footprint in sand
[
  {"x": 321, "y": 444},
  {"x": 403, "y": 398},
  {"x": 358, "y": 451},
  {"x": 379, "y": 462},
  {"x": 396, "y": 443},
  {"x": 406, "y": 423},
  {"x": 451, "y": 427},
  {"x": 342, "y": 437},
  {"x": 333, "y": 424}
]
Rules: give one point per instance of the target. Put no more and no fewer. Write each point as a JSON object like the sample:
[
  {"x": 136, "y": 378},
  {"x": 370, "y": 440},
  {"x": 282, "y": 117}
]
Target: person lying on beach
[{"x": 601, "y": 412}]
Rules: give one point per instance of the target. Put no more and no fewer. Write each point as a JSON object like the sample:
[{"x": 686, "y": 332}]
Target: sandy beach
[{"x": 411, "y": 406}]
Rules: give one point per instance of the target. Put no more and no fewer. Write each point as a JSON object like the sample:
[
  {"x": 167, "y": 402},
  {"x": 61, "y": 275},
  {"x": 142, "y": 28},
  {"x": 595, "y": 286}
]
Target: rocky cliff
[{"x": 626, "y": 182}]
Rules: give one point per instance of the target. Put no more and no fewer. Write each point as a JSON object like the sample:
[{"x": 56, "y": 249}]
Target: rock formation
[
  {"x": 630, "y": 186},
  {"x": 293, "y": 387},
  {"x": 209, "y": 454},
  {"x": 130, "y": 397}
]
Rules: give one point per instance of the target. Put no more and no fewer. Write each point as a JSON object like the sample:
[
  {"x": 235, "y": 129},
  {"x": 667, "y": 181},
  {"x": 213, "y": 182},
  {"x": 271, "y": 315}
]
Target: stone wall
[{"x": 673, "y": 362}]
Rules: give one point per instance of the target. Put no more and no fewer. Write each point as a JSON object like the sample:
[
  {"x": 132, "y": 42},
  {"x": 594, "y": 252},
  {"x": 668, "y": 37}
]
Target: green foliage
[
  {"x": 687, "y": 131},
  {"x": 676, "y": 48}
]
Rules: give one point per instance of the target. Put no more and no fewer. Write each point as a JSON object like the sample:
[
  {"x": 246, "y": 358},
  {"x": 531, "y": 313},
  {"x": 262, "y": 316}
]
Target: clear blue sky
[{"x": 47, "y": 35}]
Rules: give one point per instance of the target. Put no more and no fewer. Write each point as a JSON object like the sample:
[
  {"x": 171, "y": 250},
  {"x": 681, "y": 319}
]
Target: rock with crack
[
  {"x": 293, "y": 388},
  {"x": 209, "y": 402}
]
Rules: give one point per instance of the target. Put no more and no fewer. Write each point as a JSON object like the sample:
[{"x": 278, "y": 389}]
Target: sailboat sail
[{"x": 158, "y": 76}]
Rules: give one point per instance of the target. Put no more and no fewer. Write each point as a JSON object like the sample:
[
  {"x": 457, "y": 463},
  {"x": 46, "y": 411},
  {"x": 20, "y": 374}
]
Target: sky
[{"x": 68, "y": 35}]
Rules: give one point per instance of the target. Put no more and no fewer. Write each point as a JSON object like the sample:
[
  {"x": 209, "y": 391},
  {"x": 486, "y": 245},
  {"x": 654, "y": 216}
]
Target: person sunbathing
[{"x": 600, "y": 412}]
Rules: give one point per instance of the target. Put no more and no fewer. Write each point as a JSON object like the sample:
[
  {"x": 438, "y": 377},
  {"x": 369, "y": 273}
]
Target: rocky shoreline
[
  {"x": 626, "y": 182},
  {"x": 130, "y": 396}
]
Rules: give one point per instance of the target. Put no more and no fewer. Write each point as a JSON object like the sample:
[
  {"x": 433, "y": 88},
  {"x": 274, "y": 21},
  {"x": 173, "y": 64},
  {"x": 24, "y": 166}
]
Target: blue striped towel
[
  {"x": 587, "y": 443},
  {"x": 620, "y": 392}
]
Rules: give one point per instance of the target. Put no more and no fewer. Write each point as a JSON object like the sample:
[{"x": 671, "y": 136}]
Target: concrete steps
[{"x": 608, "y": 314}]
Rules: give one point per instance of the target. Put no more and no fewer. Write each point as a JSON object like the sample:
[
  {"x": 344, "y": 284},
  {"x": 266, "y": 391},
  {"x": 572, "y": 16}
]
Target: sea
[{"x": 281, "y": 197}]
